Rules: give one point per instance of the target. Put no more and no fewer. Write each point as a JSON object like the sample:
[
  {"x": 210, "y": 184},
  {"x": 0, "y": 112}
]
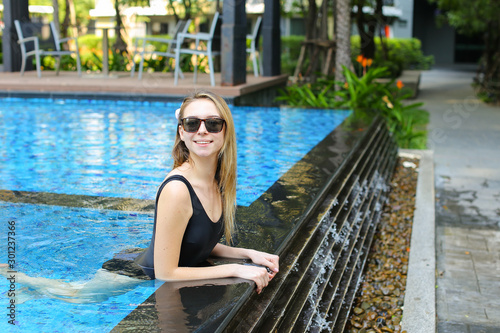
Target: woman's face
[{"x": 202, "y": 142}]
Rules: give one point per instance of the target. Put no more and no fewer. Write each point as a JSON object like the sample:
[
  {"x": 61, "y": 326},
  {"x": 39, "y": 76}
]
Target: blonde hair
[{"x": 226, "y": 165}]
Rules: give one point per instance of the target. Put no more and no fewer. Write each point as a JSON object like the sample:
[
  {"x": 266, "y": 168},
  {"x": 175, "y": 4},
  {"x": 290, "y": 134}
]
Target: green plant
[
  {"x": 290, "y": 51},
  {"x": 367, "y": 98},
  {"x": 317, "y": 95},
  {"x": 402, "y": 53}
]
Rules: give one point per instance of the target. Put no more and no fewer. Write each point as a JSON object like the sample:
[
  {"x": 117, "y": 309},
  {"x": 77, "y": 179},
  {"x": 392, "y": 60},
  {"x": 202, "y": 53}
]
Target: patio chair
[
  {"x": 254, "y": 46},
  {"x": 181, "y": 27},
  {"x": 208, "y": 38},
  {"x": 35, "y": 39}
]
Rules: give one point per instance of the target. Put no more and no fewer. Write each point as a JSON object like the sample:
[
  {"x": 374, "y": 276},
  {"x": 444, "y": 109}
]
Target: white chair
[
  {"x": 30, "y": 41},
  {"x": 197, "y": 51},
  {"x": 254, "y": 43},
  {"x": 181, "y": 27}
]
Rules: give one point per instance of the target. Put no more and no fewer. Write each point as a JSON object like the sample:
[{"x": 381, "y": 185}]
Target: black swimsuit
[{"x": 199, "y": 239}]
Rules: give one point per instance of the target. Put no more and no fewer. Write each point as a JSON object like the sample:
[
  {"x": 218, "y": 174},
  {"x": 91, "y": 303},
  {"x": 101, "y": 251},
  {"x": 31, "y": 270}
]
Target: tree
[
  {"x": 120, "y": 45},
  {"x": 343, "y": 37},
  {"x": 478, "y": 17},
  {"x": 367, "y": 24},
  {"x": 189, "y": 7}
]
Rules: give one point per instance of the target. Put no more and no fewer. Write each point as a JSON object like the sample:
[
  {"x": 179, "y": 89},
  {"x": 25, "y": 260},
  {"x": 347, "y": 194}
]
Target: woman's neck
[{"x": 203, "y": 169}]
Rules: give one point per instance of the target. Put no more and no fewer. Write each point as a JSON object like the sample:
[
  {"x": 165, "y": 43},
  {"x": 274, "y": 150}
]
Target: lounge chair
[
  {"x": 33, "y": 42},
  {"x": 254, "y": 46},
  {"x": 208, "y": 51},
  {"x": 181, "y": 27}
]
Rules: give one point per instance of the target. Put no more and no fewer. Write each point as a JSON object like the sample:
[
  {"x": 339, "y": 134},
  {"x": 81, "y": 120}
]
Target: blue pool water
[
  {"x": 114, "y": 149},
  {"x": 122, "y": 149}
]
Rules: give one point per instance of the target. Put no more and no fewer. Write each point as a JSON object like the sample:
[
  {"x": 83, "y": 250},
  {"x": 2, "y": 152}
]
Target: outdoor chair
[
  {"x": 208, "y": 38},
  {"x": 181, "y": 27},
  {"x": 254, "y": 47},
  {"x": 36, "y": 40}
]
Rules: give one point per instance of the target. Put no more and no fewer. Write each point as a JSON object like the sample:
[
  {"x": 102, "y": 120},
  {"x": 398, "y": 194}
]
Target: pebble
[{"x": 379, "y": 304}]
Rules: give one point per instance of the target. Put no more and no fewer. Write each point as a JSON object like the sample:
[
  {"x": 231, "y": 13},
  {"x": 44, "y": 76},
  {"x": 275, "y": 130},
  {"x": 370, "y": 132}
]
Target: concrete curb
[{"x": 419, "y": 314}]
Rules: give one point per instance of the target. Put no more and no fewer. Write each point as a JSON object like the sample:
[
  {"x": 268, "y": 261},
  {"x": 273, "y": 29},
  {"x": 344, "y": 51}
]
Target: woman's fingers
[{"x": 257, "y": 274}]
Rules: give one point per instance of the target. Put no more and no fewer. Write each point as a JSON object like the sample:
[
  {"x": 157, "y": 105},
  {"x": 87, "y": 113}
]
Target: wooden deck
[{"x": 156, "y": 86}]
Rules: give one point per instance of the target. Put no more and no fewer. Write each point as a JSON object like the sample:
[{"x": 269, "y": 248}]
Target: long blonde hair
[{"x": 226, "y": 165}]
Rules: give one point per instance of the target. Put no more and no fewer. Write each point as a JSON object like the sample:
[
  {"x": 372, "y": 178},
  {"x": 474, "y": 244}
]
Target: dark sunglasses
[{"x": 213, "y": 125}]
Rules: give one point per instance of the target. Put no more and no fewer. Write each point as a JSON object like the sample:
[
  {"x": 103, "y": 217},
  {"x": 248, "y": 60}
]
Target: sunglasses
[{"x": 213, "y": 125}]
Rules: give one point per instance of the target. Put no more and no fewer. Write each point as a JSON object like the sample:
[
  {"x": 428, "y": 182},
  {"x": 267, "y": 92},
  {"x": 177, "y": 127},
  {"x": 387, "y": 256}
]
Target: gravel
[{"x": 378, "y": 306}]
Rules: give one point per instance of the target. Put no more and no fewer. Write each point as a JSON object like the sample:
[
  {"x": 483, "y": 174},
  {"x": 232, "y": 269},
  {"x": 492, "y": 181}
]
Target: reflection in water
[
  {"x": 100, "y": 288},
  {"x": 185, "y": 306}
]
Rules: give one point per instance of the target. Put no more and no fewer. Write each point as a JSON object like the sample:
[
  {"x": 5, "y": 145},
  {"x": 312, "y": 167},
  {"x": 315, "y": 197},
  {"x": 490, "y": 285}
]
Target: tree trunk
[
  {"x": 66, "y": 21},
  {"x": 55, "y": 5},
  {"x": 342, "y": 37},
  {"x": 74, "y": 24},
  {"x": 366, "y": 35},
  {"x": 120, "y": 46}
]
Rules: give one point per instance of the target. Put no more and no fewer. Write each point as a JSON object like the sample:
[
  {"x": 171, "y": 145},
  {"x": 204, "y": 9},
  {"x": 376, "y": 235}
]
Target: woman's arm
[
  {"x": 260, "y": 258},
  {"x": 173, "y": 214}
]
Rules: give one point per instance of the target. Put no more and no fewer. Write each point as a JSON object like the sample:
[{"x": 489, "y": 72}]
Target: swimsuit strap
[{"x": 180, "y": 178}]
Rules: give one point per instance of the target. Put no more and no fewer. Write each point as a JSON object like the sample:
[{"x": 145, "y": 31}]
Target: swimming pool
[{"x": 120, "y": 150}]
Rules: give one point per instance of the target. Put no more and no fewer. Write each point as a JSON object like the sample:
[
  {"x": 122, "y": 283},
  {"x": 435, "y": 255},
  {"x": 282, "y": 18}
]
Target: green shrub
[
  {"x": 367, "y": 97},
  {"x": 90, "y": 42},
  {"x": 402, "y": 53},
  {"x": 290, "y": 51}
]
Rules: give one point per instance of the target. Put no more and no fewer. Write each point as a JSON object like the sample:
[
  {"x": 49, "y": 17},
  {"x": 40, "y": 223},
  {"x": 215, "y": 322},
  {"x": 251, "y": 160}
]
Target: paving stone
[
  {"x": 451, "y": 327},
  {"x": 490, "y": 288},
  {"x": 459, "y": 264},
  {"x": 467, "y": 185},
  {"x": 477, "y": 244},
  {"x": 483, "y": 329},
  {"x": 493, "y": 313}
]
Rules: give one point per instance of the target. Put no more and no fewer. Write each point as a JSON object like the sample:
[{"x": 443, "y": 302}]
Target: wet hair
[{"x": 226, "y": 165}]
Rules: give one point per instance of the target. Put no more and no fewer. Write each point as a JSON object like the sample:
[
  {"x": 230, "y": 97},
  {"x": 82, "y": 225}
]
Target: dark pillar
[
  {"x": 271, "y": 46},
  {"x": 12, "y": 10},
  {"x": 234, "y": 43}
]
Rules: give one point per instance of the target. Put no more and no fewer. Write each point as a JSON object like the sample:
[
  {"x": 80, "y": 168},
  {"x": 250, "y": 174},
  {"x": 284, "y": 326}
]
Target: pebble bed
[{"x": 378, "y": 306}]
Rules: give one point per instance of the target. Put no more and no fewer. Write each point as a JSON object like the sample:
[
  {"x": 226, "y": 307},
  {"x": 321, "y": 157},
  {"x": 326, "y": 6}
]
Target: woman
[{"x": 196, "y": 202}]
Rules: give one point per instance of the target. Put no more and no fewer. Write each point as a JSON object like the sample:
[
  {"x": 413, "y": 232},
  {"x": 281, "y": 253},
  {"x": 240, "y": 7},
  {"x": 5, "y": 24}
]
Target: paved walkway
[{"x": 465, "y": 136}]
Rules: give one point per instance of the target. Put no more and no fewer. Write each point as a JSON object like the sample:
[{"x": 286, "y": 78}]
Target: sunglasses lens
[
  {"x": 214, "y": 125},
  {"x": 191, "y": 124}
]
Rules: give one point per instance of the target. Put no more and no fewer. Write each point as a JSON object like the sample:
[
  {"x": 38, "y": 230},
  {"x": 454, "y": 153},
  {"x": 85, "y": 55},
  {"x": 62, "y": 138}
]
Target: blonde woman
[{"x": 196, "y": 202}]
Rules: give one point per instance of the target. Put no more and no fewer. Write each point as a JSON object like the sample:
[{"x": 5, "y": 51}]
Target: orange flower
[
  {"x": 360, "y": 58},
  {"x": 400, "y": 84},
  {"x": 369, "y": 62},
  {"x": 364, "y": 62},
  {"x": 346, "y": 85}
]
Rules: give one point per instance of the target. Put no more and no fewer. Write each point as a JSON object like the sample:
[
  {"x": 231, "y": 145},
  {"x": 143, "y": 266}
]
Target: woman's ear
[{"x": 181, "y": 132}]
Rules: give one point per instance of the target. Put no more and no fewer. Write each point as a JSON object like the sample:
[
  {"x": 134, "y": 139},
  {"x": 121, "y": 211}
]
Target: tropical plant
[{"x": 367, "y": 97}]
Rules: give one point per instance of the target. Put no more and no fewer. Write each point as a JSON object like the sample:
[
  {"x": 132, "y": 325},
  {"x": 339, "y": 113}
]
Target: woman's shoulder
[{"x": 175, "y": 186}]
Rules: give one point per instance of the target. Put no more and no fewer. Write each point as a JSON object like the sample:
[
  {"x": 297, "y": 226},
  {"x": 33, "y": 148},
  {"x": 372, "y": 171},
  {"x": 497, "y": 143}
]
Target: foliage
[
  {"x": 403, "y": 53},
  {"x": 82, "y": 8},
  {"x": 478, "y": 17},
  {"x": 316, "y": 95},
  {"x": 290, "y": 51},
  {"x": 367, "y": 97}
]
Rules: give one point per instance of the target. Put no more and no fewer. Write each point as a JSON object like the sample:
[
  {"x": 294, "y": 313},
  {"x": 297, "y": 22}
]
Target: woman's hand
[
  {"x": 259, "y": 275},
  {"x": 265, "y": 259}
]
